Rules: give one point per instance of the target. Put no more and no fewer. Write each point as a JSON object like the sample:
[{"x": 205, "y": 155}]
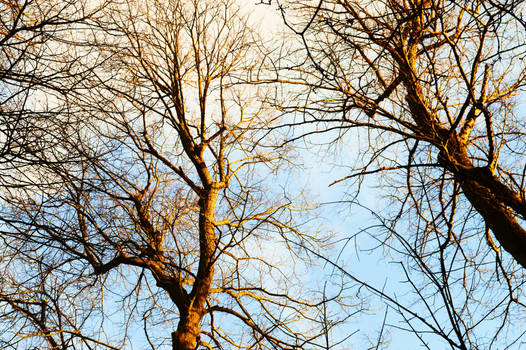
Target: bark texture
[
  {"x": 494, "y": 201},
  {"x": 192, "y": 308}
]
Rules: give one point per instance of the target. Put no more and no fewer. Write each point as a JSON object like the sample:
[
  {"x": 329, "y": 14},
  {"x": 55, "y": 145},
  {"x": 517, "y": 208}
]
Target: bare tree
[
  {"x": 34, "y": 297},
  {"x": 32, "y": 60},
  {"x": 48, "y": 308},
  {"x": 166, "y": 185},
  {"x": 434, "y": 88}
]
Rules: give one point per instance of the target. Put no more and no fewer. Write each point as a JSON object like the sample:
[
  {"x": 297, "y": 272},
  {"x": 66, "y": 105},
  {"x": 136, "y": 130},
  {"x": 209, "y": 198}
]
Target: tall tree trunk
[
  {"x": 499, "y": 219},
  {"x": 187, "y": 334},
  {"x": 186, "y": 337},
  {"x": 492, "y": 199}
]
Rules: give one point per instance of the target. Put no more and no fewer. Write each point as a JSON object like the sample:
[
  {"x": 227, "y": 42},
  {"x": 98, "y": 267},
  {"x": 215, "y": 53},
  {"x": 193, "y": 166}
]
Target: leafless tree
[
  {"x": 32, "y": 60},
  {"x": 48, "y": 308},
  {"x": 435, "y": 88},
  {"x": 158, "y": 178},
  {"x": 33, "y": 298}
]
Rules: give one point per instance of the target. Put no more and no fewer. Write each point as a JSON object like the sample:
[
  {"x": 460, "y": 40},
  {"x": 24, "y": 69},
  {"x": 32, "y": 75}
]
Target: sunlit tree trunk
[{"x": 187, "y": 334}]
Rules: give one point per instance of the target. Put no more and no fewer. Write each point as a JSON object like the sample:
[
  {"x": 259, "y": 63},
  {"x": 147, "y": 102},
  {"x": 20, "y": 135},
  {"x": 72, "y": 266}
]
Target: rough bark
[
  {"x": 498, "y": 217},
  {"x": 186, "y": 336},
  {"x": 492, "y": 199}
]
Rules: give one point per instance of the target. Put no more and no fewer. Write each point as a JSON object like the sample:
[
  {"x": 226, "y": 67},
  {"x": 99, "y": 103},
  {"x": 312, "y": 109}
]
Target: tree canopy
[{"x": 152, "y": 179}]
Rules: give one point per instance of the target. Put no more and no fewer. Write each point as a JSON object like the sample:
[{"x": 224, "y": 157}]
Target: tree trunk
[
  {"x": 491, "y": 198},
  {"x": 186, "y": 337},
  {"x": 499, "y": 219},
  {"x": 187, "y": 334}
]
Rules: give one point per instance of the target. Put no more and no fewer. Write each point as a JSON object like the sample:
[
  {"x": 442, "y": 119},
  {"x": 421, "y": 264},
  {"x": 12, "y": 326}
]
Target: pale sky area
[{"x": 265, "y": 17}]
